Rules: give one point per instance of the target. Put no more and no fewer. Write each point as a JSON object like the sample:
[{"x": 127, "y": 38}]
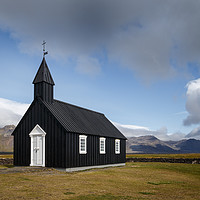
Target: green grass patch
[
  {"x": 9, "y": 166},
  {"x": 147, "y": 193},
  {"x": 158, "y": 183},
  {"x": 6, "y": 155},
  {"x": 133, "y": 181},
  {"x": 2, "y": 166},
  {"x": 6, "y": 166},
  {"x": 179, "y": 168},
  {"x": 24, "y": 179},
  {"x": 188, "y": 155},
  {"x": 102, "y": 197},
  {"x": 68, "y": 193}
]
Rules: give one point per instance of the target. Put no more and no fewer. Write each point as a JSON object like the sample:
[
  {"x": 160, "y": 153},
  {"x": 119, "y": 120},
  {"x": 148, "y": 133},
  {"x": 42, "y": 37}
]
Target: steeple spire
[
  {"x": 43, "y": 74},
  {"x": 43, "y": 83}
]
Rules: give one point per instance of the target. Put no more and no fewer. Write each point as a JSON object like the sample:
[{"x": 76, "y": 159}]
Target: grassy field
[
  {"x": 134, "y": 181},
  {"x": 188, "y": 155},
  {"x": 6, "y": 156}
]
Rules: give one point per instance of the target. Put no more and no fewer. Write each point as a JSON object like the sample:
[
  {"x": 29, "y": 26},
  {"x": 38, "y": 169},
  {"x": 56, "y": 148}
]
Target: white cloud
[
  {"x": 181, "y": 113},
  {"x": 193, "y": 102},
  {"x": 195, "y": 133},
  {"x": 131, "y": 127},
  {"x": 11, "y": 111},
  {"x": 136, "y": 131},
  {"x": 139, "y": 35}
]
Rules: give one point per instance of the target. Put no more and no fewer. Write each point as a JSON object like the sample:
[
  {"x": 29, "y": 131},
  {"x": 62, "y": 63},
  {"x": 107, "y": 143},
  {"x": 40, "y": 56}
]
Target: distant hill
[
  {"x": 143, "y": 144},
  {"x": 151, "y": 144},
  {"x": 189, "y": 146},
  {"x": 6, "y": 140}
]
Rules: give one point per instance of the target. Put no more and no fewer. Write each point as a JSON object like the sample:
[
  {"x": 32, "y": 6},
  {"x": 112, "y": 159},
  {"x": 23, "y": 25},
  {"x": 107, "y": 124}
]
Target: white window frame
[
  {"x": 82, "y": 137},
  {"x": 102, "y": 139},
  {"x": 117, "y": 146}
]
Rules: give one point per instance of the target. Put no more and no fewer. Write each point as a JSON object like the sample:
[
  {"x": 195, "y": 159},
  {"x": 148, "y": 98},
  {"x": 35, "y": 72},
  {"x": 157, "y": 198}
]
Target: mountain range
[
  {"x": 152, "y": 145},
  {"x": 6, "y": 140},
  {"x": 143, "y": 144}
]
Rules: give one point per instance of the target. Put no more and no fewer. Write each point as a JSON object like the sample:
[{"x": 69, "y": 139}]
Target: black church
[{"x": 56, "y": 134}]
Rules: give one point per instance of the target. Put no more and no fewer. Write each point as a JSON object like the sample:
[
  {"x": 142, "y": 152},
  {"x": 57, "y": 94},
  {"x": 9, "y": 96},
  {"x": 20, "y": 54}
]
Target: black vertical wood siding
[
  {"x": 54, "y": 146},
  {"x": 93, "y": 156},
  {"x": 61, "y": 147},
  {"x": 44, "y": 90}
]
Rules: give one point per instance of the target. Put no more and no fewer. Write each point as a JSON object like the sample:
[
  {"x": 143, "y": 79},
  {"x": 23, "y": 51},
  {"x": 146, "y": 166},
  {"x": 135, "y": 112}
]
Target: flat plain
[
  {"x": 134, "y": 181},
  {"x": 187, "y": 155}
]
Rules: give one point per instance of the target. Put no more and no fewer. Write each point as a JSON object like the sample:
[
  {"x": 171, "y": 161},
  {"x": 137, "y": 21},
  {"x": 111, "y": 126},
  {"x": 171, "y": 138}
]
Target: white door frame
[{"x": 38, "y": 131}]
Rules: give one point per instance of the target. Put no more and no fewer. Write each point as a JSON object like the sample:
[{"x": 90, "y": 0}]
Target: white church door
[
  {"x": 37, "y": 146},
  {"x": 37, "y": 150}
]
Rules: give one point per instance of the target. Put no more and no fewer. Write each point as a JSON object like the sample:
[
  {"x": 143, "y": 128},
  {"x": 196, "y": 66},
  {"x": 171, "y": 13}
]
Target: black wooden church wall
[
  {"x": 93, "y": 156},
  {"x": 61, "y": 147},
  {"x": 54, "y": 139}
]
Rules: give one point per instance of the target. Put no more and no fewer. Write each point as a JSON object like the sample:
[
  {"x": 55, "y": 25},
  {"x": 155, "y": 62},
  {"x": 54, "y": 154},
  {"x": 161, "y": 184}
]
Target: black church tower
[{"x": 43, "y": 83}]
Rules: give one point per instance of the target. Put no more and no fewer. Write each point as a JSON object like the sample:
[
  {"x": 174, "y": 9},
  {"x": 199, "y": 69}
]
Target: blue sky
[{"x": 130, "y": 61}]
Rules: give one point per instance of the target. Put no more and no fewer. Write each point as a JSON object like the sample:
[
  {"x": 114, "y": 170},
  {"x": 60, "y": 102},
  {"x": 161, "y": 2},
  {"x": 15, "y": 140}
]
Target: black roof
[
  {"x": 83, "y": 121},
  {"x": 73, "y": 118},
  {"x": 43, "y": 74}
]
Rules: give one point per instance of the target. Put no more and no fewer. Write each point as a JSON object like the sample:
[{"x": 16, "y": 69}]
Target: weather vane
[{"x": 44, "y": 51}]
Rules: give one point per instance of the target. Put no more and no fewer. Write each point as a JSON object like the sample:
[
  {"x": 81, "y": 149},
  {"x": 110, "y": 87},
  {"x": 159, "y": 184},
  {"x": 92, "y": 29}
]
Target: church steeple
[
  {"x": 43, "y": 83},
  {"x": 43, "y": 74}
]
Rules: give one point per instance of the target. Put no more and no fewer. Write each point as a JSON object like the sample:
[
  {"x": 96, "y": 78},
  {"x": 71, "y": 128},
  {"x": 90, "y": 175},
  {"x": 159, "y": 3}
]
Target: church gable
[
  {"x": 37, "y": 113},
  {"x": 26, "y": 115}
]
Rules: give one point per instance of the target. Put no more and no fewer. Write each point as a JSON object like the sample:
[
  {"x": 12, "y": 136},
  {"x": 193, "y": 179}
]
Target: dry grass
[
  {"x": 134, "y": 181},
  {"x": 6, "y": 156},
  {"x": 188, "y": 155}
]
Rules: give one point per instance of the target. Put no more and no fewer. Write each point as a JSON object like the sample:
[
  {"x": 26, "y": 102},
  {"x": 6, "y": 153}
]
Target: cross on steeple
[{"x": 44, "y": 51}]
